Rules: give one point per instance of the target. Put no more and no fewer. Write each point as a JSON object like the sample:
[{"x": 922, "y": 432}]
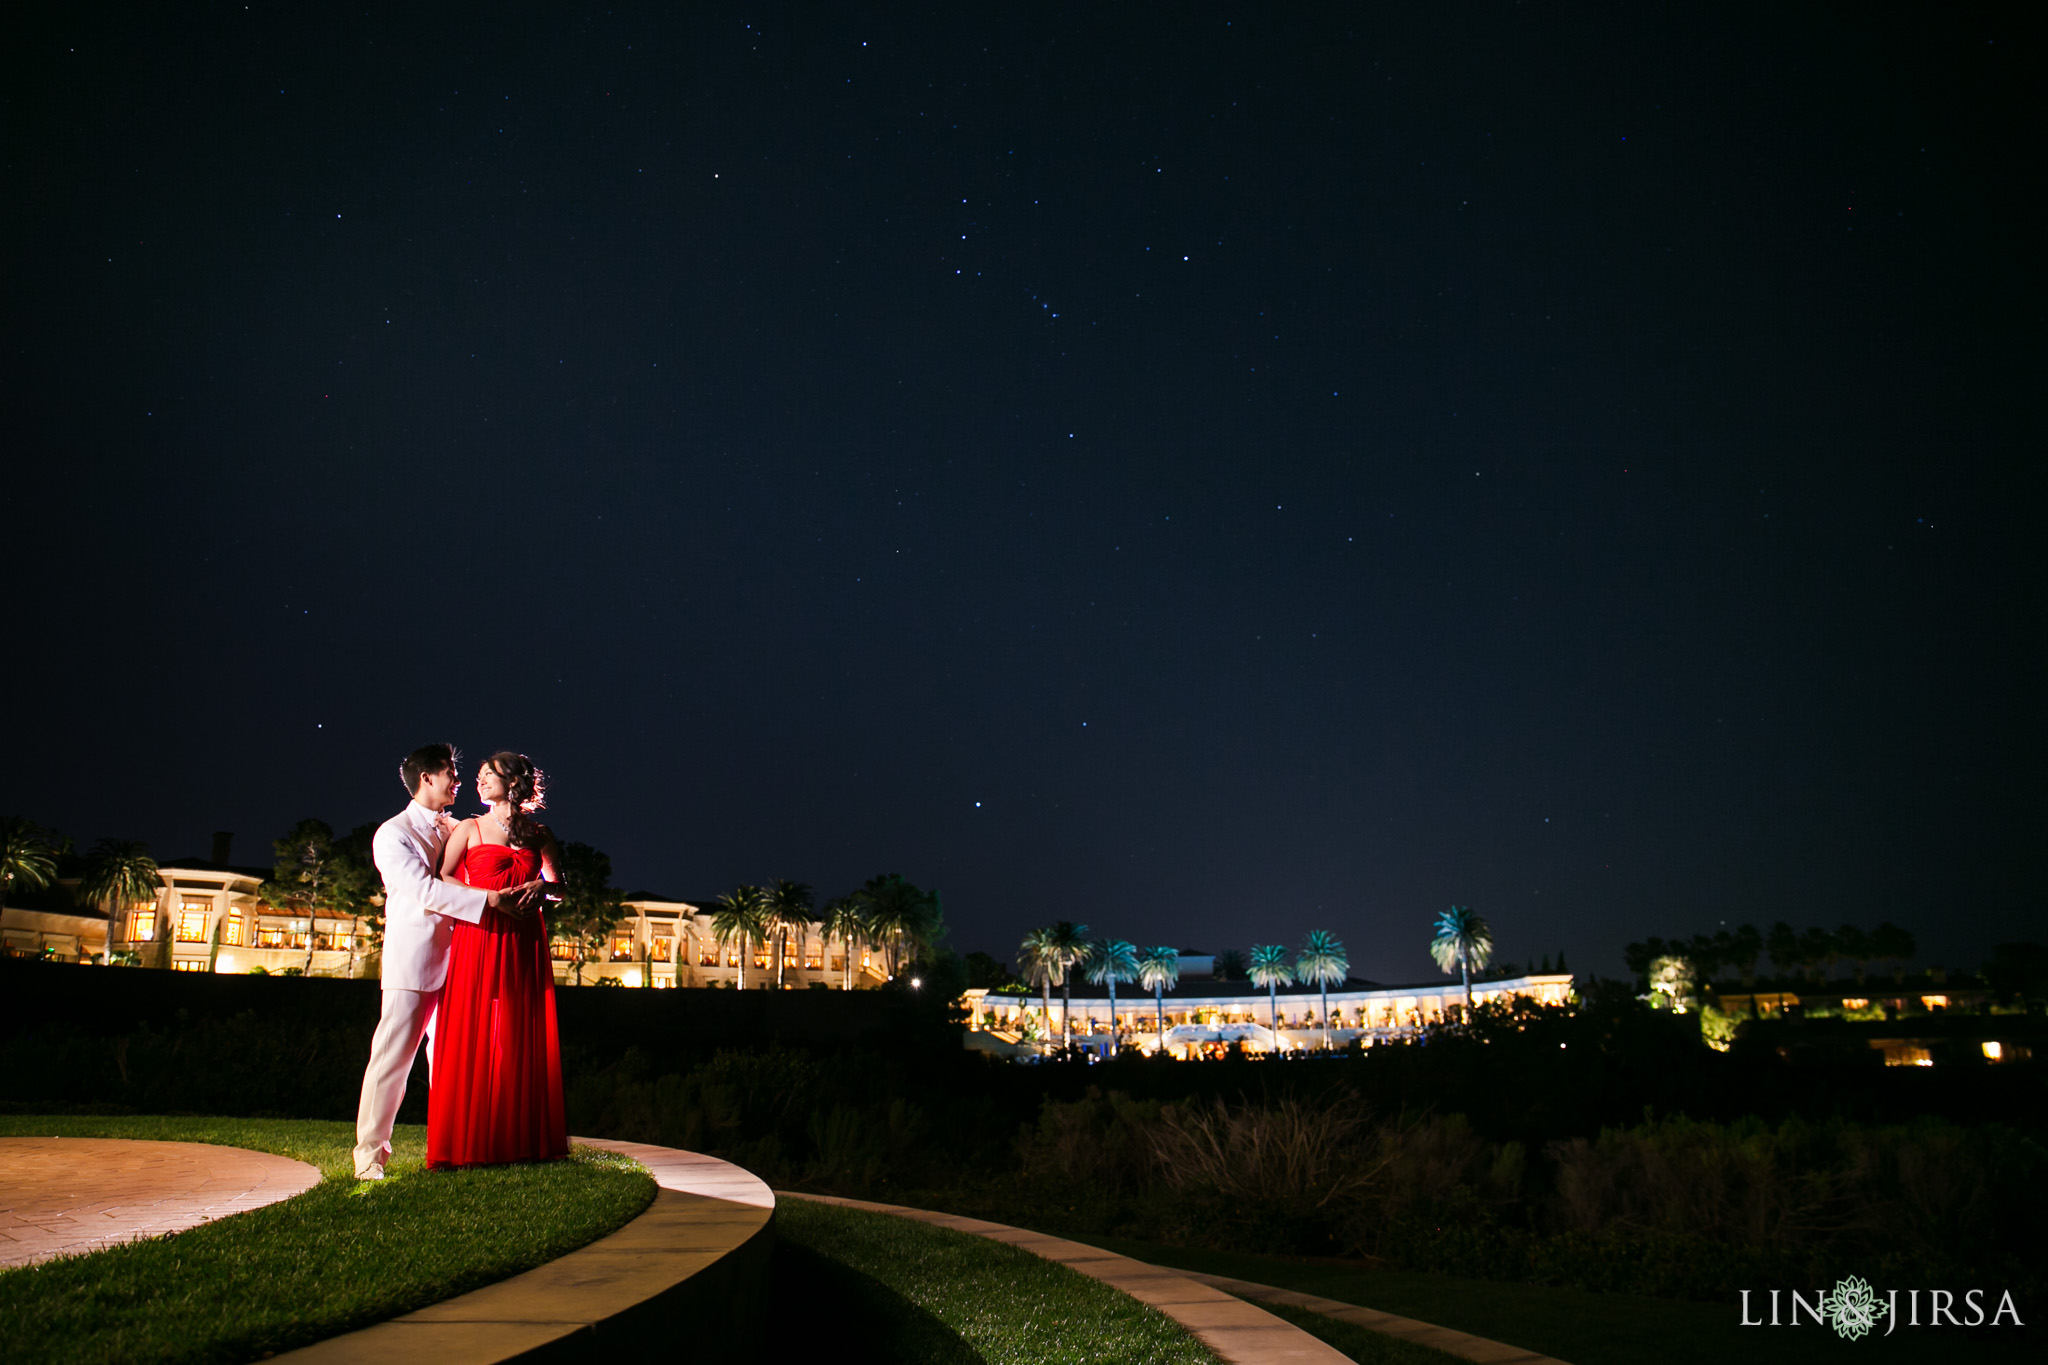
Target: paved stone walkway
[
  {"x": 1461, "y": 1344},
  {"x": 65, "y": 1196}
]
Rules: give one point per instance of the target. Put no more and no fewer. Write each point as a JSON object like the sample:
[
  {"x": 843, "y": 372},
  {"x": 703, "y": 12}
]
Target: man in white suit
[{"x": 420, "y": 911}]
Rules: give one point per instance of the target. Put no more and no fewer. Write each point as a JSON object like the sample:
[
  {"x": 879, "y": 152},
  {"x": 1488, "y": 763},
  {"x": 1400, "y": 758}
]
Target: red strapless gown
[{"x": 497, "y": 1093}]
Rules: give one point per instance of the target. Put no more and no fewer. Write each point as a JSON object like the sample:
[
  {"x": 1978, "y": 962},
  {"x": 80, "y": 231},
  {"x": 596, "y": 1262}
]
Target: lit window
[
  {"x": 1994, "y": 1052},
  {"x": 838, "y": 963},
  {"x": 732, "y": 957},
  {"x": 863, "y": 957},
  {"x": 192, "y": 921},
  {"x": 232, "y": 934},
  {"x": 563, "y": 951},
  {"x": 142, "y": 924},
  {"x": 814, "y": 956},
  {"x": 622, "y": 947},
  {"x": 1934, "y": 1002},
  {"x": 1855, "y": 1002},
  {"x": 189, "y": 964},
  {"x": 660, "y": 951},
  {"x": 760, "y": 959},
  {"x": 708, "y": 958}
]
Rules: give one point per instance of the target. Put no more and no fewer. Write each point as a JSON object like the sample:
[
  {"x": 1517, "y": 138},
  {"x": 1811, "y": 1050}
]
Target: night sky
[{"x": 1207, "y": 472}]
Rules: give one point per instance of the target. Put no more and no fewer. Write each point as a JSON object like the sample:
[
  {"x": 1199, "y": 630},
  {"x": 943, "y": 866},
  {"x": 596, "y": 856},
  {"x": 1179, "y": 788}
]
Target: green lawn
[
  {"x": 340, "y": 1256},
  {"x": 876, "y": 1287},
  {"x": 1571, "y": 1324}
]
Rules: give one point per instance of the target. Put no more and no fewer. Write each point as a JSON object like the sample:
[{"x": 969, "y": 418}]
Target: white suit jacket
[{"x": 420, "y": 909}]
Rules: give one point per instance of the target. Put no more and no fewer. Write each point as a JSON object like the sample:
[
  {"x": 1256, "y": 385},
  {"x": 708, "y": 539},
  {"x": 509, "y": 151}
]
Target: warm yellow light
[
  {"x": 1994, "y": 1051},
  {"x": 631, "y": 978},
  {"x": 226, "y": 963}
]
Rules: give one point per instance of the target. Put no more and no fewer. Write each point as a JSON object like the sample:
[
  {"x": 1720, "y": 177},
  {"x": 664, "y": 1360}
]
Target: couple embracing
[{"x": 466, "y": 969}]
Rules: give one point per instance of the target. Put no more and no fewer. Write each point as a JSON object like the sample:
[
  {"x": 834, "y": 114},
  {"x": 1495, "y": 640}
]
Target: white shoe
[{"x": 373, "y": 1171}]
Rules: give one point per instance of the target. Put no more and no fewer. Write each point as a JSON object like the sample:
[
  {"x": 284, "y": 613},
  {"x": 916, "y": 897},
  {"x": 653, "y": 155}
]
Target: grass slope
[
  {"x": 338, "y": 1257},
  {"x": 907, "y": 1292},
  {"x": 1570, "y": 1324}
]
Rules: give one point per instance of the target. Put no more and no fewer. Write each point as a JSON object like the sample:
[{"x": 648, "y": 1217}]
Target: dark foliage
[{"x": 1600, "y": 1145}]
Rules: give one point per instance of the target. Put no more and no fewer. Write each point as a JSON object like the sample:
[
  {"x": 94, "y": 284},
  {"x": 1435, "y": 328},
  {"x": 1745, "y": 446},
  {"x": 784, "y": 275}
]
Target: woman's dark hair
[
  {"x": 526, "y": 788},
  {"x": 428, "y": 758}
]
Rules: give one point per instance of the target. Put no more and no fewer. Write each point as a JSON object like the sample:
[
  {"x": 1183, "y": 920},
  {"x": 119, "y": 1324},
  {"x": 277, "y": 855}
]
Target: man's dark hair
[{"x": 428, "y": 758}]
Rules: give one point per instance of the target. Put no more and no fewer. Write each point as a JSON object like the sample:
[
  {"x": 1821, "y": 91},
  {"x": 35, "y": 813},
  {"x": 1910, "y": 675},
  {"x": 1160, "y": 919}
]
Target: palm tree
[
  {"x": 1159, "y": 972},
  {"x": 900, "y": 917},
  {"x": 1855, "y": 946},
  {"x": 1783, "y": 946},
  {"x": 119, "y": 873},
  {"x": 1462, "y": 940},
  {"x": 740, "y": 917},
  {"x": 1322, "y": 961},
  {"x": 25, "y": 857},
  {"x": 1892, "y": 944},
  {"x": 1817, "y": 952},
  {"x": 1070, "y": 941},
  {"x": 1109, "y": 962},
  {"x": 1269, "y": 969},
  {"x": 843, "y": 918},
  {"x": 1039, "y": 955},
  {"x": 788, "y": 911}
]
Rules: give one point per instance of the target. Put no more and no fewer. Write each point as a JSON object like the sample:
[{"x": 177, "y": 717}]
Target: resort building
[
  {"x": 208, "y": 916},
  {"x": 205, "y": 917},
  {"x": 1206, "y": 1017},
  {"x": 667, "y": 943}
]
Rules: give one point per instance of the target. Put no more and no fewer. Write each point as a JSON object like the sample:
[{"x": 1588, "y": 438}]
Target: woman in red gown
[{"x": 497, "y": 1092}]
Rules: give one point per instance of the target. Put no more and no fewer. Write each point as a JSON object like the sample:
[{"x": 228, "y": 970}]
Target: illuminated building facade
[
  {"x": 208, "y": 917},
  {"x": 1206, "y": 1017},
  {"x": 664, "y": 944}
]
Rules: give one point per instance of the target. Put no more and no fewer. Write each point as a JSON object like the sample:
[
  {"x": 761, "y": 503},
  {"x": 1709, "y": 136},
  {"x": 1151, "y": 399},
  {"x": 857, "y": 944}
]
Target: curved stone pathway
[
  {"x": 66, "y": 1196},
  {"x": 1222, "y": 1312},
  {"x": 1462, "y": 1344},
  {"x": 1240, "y": 1333},
  {"x": 658, "y": 1286}
]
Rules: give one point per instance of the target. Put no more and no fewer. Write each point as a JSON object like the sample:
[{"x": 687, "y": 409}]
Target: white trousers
[{"x": 408, "y": 1019}]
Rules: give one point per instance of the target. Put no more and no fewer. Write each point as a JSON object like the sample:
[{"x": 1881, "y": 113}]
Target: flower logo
[{"x": 1853, "y": 1308}]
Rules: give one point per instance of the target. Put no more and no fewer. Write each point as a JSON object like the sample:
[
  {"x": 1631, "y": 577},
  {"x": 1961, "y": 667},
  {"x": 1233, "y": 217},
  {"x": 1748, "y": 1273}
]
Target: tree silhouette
[
  {"x": 740, "y": 917},
  {"x": 26, "y": 858},
  {"x": 591, "y": 907},
  {"x": 788, "y": 905},
  {"x": 119, "y": 873}
]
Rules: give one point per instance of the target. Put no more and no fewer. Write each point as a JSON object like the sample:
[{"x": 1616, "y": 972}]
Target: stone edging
[
  {"x": 1443, "y": 1339},
  {"x": 686, "y": 1269},
  {"x": 1240, "y": 1333}
]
